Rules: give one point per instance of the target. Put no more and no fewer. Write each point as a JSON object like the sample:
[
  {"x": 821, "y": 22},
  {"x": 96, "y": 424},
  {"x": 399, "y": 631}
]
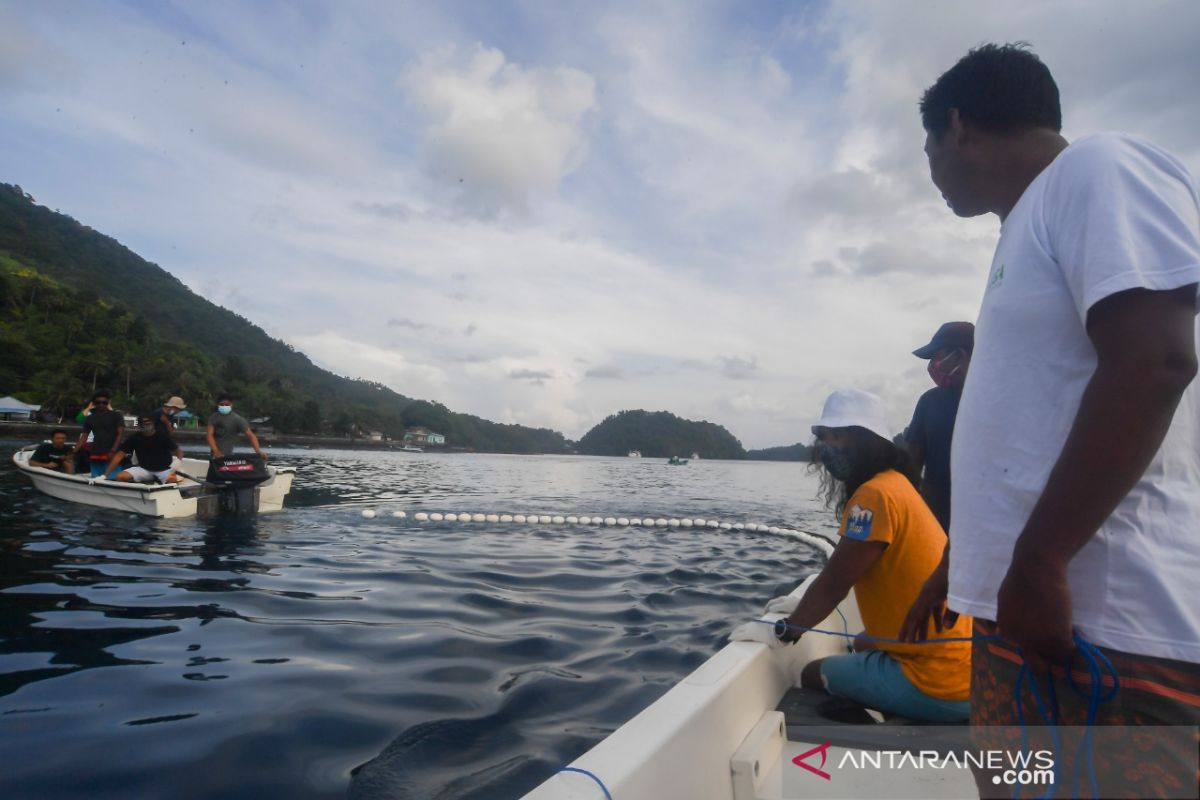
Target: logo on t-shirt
[
  {"x": 997, "y": 277},
  {"x": 858, "y": 522}
]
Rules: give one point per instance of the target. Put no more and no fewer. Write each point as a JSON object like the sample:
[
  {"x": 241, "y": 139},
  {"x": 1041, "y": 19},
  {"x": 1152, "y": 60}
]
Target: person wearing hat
[
  {"x": 927, "y": 437},
  {"x": 164, "y": 418},
  {"x": 890, "y": 543}
]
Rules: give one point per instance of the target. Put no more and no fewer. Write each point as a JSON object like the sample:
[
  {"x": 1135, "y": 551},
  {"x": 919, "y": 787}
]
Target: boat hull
[{"x": 152, "y": 500}]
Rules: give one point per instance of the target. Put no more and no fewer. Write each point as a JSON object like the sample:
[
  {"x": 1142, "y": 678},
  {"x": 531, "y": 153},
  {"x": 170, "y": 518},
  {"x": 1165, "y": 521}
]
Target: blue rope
[{"x": 591, "y": 775}]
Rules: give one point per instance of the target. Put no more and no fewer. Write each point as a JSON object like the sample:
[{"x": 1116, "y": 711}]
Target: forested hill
[
  {"x": 81, "y": 310},
  {"x": 791, "y": 452},
  {"x": 659, "y": 434}
]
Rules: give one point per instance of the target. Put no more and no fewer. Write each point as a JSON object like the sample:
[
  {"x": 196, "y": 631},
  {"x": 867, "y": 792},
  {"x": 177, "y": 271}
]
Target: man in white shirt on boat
[{"x": 1076, "y": 454}]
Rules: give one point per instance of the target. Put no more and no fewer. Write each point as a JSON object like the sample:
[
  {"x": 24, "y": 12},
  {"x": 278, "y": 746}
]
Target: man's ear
[{"x": 956, "y": 131}]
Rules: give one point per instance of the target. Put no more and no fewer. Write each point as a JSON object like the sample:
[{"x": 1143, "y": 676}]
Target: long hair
[{"x": 870, "y": 454}]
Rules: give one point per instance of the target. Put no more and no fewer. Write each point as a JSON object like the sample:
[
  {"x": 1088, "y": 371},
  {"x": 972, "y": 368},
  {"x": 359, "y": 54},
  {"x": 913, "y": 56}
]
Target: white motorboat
[
  {"x": 635, "y": 453},
  {"x": 738, "y": 728},
  {"x": 183, "y": 499}
]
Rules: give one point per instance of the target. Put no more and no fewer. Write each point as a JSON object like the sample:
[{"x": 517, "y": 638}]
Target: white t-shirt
[{"x": 1110, "y": 213}]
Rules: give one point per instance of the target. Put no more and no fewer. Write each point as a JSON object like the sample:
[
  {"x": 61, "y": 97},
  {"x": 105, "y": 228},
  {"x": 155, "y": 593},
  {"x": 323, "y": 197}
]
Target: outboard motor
[{"x": 235, "y": 479}]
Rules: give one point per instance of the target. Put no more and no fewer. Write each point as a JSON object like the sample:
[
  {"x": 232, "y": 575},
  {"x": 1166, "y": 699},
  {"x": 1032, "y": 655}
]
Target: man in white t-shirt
[{"x": 1076, "y": 455}]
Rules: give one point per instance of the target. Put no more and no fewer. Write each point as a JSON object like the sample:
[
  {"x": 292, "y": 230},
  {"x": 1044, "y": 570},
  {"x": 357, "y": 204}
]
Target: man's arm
[
  {"x": 1146, "y": 357},
  {"x": 212, "y": 442},
  {"x": 114, "y": 462},
  {"x": 254, "y": 443},
  {"x": 850, "y": 561}
]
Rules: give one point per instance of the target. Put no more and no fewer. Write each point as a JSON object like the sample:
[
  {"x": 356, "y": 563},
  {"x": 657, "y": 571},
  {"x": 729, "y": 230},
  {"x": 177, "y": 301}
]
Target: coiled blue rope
[{"x": 593, "y": 776}]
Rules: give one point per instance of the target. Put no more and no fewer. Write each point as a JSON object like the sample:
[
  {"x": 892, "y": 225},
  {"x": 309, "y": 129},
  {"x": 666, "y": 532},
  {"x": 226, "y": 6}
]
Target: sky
[{"x": 548, "y": 212}]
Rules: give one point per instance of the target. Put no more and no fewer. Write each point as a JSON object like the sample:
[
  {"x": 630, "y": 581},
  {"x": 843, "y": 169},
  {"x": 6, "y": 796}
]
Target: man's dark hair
[
  {"x": 870, "y": 454},
  {"x": 1000, "y": 88},
  {"x": 97, "y": 395},
  {"x": 224, "y": 396},
  {"x": 56, "y": 432}
]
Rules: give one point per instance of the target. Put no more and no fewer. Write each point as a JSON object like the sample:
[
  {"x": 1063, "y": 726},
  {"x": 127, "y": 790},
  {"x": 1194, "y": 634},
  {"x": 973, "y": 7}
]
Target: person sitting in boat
[
  {"x": 54, "y": 454},
  {"x": 890, "y": 544},
  {"x": 154, "y": 450}
]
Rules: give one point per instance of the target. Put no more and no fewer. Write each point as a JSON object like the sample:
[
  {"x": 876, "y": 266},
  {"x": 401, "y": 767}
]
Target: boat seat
[{"x": 847, "y": 724}]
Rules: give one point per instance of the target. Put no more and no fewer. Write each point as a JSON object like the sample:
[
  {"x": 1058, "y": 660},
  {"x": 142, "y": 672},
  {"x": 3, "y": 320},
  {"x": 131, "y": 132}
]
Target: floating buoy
[
  {"x": 420, "y": 516},
  {"x": 660, "y": 522},
  {"x": 699, "y": 523},
  {"x": 585, "y": 520},
  {"x": 610, "y": 521},
  {"x": 436, "y": 517},
  {"x": 712, "y": 523},
  {"x": 725, "y": 526},
  {"x": 572, "y": 520},
  {"x": 478, "y": 518},
  {"x": 635, "y": 521},
  {"x": 685, "y": 523},
  {"x": 558, "y": 520},
  {"x": 519, "y": 518},
  {"x": 739, "y": 526},
  {"x": 399, "y": 514},
  {"x": 622, "y": 521},
  {"x": 544, "y": 519},
  {"x": 369, "y": 513},
  {"x": 493, "y": 518},
  {"x": 506, "y": 518}
]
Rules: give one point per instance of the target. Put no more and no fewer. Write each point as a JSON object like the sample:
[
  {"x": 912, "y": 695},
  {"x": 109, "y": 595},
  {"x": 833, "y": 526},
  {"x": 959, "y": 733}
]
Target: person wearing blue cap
[{"x": 928, "y": 436}]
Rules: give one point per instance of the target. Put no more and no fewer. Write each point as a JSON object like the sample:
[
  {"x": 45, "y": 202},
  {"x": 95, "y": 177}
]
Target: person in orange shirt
[{"x": 890, "y": 542}]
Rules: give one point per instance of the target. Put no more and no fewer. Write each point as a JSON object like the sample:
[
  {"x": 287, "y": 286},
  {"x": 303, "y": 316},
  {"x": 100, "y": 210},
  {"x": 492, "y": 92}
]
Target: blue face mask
[
  {"x": 837, "y": 461},
  {"x": 225, "y": 409}
]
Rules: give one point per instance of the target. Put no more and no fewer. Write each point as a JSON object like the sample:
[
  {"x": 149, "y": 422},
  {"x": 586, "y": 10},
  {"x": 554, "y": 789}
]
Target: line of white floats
[{"x": 646, "y": 522}]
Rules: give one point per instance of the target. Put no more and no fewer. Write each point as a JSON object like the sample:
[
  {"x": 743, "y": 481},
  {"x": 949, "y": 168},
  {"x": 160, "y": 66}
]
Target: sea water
[{"x": 315, "y": 653}]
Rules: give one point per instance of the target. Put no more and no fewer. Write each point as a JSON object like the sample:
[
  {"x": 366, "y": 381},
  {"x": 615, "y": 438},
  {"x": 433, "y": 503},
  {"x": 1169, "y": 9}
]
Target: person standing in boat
[
  {"x": 1076, "y": 455},
  {"x": 164, "y": 417},
  {"x": 927, "y": 437},
  {"x": 890, "y": 542},
  {"x": 103, "y": 430},
  {"x": 224, "y": 427},
  {"x": 154, "y": 450}
]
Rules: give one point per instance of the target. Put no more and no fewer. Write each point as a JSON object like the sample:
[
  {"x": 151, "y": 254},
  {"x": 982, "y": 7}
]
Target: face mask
[
  {"x": 225, "y": 409},
  {"x": 945, "y": 370},
  {"x": 837, "y": 461}
]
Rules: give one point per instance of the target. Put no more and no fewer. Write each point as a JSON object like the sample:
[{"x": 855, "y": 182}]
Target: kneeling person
[
  {"x": 154, "y": 450},
  {"x": 890, "y": 544}
]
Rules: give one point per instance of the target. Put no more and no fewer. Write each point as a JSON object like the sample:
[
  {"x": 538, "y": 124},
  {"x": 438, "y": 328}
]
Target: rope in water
[
  {"x": 822, "y": 543},
  {"x": 593, "y": 776}
]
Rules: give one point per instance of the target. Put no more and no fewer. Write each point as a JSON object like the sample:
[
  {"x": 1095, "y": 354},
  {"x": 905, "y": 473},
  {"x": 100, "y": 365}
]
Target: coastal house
[
  {"x": 375, "y": 436},
  {"x": 423, "y": 437}
]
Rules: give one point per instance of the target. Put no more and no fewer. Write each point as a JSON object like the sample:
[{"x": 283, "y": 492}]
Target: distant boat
[
  {"x": 695, "y": 456},
  {"x": 635, "y": 453},
  {"x": 408, "y": 448},
  {"x": 677, "y": 460}
]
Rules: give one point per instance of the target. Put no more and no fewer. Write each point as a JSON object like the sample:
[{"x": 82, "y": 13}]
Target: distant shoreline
[{"x": 37, "y": 431}]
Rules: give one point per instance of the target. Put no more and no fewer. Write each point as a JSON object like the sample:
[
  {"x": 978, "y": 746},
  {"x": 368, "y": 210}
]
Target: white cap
[{"x": 854, "y": 407}]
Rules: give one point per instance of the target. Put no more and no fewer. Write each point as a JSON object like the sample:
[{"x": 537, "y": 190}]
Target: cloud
[
  {"x": 407, "y": 323},
  {"x": 499, "y": 133},
  {"x": 536, "y": 376},
  {"x": 606, "y": 372},
  {"x": 739, "y": 369}
]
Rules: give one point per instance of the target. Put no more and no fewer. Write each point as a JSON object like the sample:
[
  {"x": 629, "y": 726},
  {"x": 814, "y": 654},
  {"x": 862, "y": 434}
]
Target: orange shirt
[{"x": 888, "y": 509}]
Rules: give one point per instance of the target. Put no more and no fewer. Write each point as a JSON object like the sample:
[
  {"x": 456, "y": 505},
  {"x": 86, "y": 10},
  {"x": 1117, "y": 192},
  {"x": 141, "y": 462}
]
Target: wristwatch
[{"x": 783, "y": 631}]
